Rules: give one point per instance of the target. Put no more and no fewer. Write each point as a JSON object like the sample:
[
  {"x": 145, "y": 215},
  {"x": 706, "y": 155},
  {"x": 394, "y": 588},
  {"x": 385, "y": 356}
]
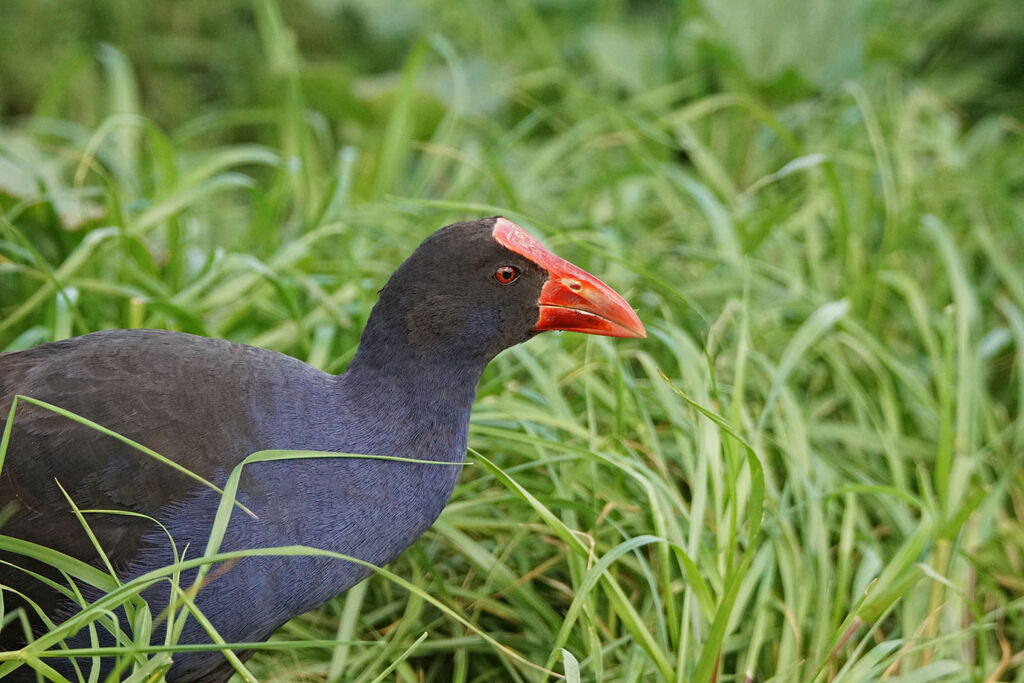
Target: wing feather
[{"x": 194, "y": 400}]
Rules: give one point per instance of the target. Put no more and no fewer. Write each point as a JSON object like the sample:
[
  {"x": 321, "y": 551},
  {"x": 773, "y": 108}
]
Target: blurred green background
[
  {"x": 190, "y": 56},
  {"x": 816, "y": 207}
]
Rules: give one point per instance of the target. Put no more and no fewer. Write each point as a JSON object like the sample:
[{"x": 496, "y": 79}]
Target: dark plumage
[{"x": 207, "y": 403}]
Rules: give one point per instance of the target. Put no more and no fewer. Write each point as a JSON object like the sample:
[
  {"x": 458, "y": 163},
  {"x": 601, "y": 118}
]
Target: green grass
[{"x": 813, "y": 467}]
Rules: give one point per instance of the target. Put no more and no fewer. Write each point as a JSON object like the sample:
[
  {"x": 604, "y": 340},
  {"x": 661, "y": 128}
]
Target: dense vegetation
[{"x": 812, "y": 469}]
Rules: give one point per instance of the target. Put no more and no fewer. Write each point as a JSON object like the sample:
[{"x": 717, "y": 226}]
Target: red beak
[{"x": 572, "y": 299}]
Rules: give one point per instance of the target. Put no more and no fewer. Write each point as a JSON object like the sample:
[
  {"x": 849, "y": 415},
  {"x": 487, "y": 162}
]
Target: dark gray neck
[{"x": 422, "y": 392}]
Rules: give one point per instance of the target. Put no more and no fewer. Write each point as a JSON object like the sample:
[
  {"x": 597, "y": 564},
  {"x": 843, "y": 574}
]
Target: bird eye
[{"x": 506, "y": 274}]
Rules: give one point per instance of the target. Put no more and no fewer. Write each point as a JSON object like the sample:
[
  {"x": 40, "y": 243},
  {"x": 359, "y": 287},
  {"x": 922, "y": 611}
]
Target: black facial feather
[{"x": 446, "y": 300}]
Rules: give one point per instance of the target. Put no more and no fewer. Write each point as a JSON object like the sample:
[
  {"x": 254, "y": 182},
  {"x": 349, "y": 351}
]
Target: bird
[{"x": 468, "y": 291}]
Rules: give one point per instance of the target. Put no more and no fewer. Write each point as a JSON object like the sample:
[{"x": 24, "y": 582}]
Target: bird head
[{"x": 481, "y": 286}]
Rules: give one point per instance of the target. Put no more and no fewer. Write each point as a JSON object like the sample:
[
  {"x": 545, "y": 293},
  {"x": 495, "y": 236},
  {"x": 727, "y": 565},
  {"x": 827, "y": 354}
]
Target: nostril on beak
[{"x": 574, "y": 286}]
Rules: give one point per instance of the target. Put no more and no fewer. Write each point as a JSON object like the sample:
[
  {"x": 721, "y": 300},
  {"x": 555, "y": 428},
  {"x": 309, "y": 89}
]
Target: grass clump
[{"x": 811, "y": 469}]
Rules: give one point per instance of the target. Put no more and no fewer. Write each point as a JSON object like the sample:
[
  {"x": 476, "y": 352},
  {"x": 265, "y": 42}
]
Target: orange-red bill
[{"x": 572, "y": 299}]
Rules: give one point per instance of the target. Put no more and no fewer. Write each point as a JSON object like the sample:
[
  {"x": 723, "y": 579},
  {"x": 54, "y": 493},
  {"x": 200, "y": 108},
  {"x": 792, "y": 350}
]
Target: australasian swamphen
[{"x": 467, "y": 292}]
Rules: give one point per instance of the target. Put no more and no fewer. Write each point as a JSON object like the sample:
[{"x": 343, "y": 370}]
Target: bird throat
[{"x": 423, "y": 391}]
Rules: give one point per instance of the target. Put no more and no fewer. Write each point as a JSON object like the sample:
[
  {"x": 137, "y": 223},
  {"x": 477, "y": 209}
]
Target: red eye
[{"x": 506, "y": 274}]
